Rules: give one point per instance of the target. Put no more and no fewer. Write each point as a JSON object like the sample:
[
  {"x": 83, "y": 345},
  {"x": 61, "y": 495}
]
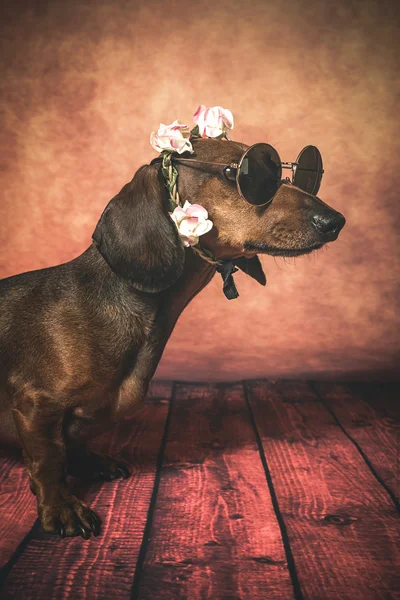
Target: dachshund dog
[{"x": 80, "y": 342}]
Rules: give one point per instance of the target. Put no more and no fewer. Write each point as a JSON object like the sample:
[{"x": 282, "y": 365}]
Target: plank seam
[
  {"x": 150, "y": 513},
  {"x": 298, "y": 594},
  {"x": 363, "y": 455},
  {"x": 7, "y": 568}
]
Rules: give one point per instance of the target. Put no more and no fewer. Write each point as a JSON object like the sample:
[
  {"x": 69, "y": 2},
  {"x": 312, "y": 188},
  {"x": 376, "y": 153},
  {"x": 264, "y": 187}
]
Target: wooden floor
[{"x": 251, "y": 491}]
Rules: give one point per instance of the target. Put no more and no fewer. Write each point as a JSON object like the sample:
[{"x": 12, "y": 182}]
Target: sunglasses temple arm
[{"x": 204, "y": 162}]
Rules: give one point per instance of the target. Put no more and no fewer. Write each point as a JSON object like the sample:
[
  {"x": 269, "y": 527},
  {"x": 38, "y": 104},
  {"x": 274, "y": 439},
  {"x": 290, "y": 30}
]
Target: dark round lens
[
  {"x": 309, "y": 170},
  {"x": 259, "y": 174}
]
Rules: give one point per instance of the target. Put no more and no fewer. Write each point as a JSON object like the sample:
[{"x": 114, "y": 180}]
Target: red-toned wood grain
[
  {"x": 17, "y": 503},
  {"x": 383, "y": 397},
  {"x": 342, "y": 524},
  {"x": 214, "y": 533},
  {"x": 373, "y": 423},
  {"x": 102, "y": 567}
]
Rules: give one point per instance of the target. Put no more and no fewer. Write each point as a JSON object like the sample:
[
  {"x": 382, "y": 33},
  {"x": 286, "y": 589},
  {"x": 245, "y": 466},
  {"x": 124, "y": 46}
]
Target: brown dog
[{"x": 79, "y": 342}]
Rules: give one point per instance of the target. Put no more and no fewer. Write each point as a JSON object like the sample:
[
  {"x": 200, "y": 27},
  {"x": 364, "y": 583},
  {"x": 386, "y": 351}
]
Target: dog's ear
[
  {"x": 252, "y": 267},
  {"x": 136, "y": 236}
]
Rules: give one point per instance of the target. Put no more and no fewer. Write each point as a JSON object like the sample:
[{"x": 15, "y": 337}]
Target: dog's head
[{"x": 140, "y": 241}]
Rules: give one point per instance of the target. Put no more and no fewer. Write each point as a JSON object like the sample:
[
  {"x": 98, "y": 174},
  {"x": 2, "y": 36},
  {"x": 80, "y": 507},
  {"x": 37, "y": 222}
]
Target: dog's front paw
[
  {"x": 69, "y": 517},
  {"x": 91, "y": 466}
]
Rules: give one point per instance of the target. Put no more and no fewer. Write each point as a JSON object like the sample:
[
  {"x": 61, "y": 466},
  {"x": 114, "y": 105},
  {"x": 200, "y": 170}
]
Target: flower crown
[{"x": 191, "y": 220}]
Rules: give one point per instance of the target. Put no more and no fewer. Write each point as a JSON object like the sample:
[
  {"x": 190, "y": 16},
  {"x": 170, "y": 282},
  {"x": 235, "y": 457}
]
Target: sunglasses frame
[{"x": 237, "y": 165}]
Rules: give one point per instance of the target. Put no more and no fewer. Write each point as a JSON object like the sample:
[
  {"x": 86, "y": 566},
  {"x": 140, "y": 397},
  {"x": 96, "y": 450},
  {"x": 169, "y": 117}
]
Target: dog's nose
[{"x": 329, "y": 223}]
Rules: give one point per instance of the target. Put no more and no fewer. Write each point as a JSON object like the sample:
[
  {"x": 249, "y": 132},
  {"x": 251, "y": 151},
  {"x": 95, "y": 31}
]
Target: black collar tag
[{"x": 229, "y": 288}]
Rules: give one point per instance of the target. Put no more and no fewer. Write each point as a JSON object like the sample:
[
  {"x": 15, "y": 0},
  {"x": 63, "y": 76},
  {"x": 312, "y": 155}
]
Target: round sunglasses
[{"x": 258, "y": 174}]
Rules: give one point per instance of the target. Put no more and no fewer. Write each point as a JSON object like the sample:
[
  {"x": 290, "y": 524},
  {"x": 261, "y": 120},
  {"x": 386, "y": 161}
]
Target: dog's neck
[
  {"x": 196, "y": 275},
  {"x": 171, "y": 302}
]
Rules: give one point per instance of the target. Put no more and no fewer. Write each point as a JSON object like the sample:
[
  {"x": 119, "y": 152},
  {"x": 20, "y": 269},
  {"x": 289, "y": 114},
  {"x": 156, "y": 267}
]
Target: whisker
[{"x": 278, "y": 265}]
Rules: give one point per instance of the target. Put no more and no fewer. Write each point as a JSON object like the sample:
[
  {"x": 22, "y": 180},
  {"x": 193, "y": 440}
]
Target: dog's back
[{"x": 22, "y": 297}]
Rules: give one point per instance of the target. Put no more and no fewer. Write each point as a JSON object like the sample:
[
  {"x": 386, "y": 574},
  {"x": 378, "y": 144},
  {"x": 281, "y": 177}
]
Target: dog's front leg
[{"x": 40, "y": 430}]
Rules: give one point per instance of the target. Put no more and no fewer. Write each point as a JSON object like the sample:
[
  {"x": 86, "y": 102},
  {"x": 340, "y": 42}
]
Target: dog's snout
[{"x": 329, "y": 223}]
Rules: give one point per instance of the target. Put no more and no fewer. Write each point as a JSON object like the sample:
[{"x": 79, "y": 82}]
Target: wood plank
[
  {"x": 214, "y": 532},
  {"x": 372, "y": 424},
  {"x": 342, "y": 525},
  {"x": 17, "y": 503},
  {"x": 383, "y": 397},
  {"x": 101, "y": 567}
]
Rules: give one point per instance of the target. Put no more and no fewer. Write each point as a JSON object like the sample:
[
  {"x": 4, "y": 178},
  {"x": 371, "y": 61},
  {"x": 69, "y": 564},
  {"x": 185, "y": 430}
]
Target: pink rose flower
[
  {"x": 191, "y": 221},
  {"x": 213, "y": 121},
  {"x": 174, "y": 137}
]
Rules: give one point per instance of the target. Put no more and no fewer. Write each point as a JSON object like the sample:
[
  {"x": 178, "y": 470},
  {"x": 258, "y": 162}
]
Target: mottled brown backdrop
[{"x": 84, "y": 83}]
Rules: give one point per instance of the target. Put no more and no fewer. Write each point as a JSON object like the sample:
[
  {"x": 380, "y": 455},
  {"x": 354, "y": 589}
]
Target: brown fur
[{"x": 80, "y": 342}]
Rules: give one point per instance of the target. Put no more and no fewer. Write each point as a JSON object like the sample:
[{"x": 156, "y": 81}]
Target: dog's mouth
[{"x": 275, "y": 251}]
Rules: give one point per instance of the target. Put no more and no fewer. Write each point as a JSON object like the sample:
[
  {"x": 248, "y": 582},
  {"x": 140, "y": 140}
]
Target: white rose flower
[
  {"x": 192, "y": 221},
  {"x": 174, "y": 137},
  {"x": 213, "y": 121}
]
